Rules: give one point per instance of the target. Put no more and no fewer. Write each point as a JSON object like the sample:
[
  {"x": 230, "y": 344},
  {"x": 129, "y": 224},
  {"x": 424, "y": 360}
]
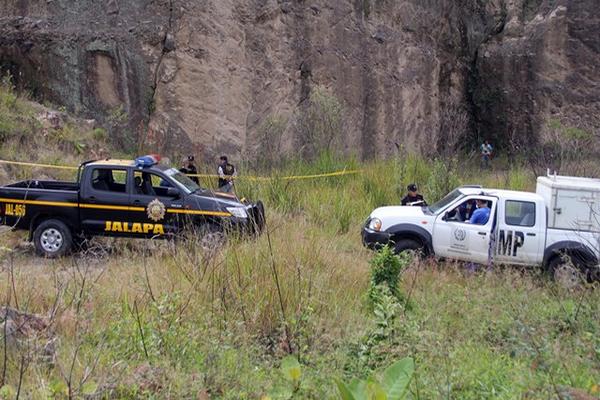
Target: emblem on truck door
[
  {"x": 460, "y": 234},
  {"x": 156, "y": 210}
]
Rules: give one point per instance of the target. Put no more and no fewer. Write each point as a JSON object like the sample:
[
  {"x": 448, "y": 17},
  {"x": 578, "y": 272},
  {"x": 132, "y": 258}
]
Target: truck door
[
  {"x": 152, "y": 197},
  {"x": 103, "y": 197},
  {"x": 521, "y": 233},
  {"x": 454, "y": 237}
]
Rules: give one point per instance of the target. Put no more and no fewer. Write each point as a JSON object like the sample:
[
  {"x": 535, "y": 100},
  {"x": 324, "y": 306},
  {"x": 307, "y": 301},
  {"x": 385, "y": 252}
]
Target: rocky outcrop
[
  {"x": 203, "y": 76},
  {"x": 541, "y": 67},
  {"x": 94, "y": 58}
]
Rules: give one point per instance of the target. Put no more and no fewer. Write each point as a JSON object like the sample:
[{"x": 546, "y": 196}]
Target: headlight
[
  {"x": 375, "y": 224},
  {"x": 239, "y": 212}
]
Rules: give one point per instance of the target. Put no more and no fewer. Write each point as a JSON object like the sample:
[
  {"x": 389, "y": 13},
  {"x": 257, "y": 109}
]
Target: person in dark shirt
[
  {"x": 226, "y": 173},
  {"x": 413, "y": 198},
  {"x": 190, "y": 169}
]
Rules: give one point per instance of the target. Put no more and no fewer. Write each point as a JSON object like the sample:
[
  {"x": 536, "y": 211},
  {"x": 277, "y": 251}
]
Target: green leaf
[
  {"x": 7, "y": 392},
  {"x": 58, "y": 387},
  {"x": 358, "y": 388},
  {"x": 375, "y": 391},
  {"x": 345, "y": 392},
  {"x": 291, "y": 368},
  {"x": 397, "y": 377},
  {"x": 89, "y": 388}
]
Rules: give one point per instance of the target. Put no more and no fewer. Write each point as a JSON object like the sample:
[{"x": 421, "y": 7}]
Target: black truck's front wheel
[{"x": 52, "y": 239}]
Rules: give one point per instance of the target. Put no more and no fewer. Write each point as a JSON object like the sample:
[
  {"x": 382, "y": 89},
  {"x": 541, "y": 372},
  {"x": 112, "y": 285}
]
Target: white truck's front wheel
[{"x": 409, "y": 245}]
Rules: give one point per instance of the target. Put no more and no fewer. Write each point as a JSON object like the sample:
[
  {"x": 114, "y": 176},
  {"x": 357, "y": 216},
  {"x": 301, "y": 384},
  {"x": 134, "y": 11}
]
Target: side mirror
[
  {"x": 446, "y": 216},
  {"x": 173, "y": 192}
]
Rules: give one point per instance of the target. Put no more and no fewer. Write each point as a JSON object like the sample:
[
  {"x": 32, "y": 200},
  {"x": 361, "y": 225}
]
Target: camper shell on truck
[
  {"x": 556, "y": 227},
  {"x": 133, "y": 198},
  {"x": 573, "y": 203}
]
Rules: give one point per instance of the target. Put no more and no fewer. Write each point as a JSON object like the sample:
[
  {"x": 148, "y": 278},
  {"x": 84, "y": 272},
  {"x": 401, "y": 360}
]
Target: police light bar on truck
[{"x": 147, "y": 161}]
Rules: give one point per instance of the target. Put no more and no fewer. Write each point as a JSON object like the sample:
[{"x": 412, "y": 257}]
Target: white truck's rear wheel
[{"x": 565, "y": 271}]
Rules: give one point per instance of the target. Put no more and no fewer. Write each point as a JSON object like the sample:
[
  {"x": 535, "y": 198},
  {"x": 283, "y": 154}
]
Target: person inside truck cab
[
  {"x": 147, "y": 185},
  {"x": 104, "y": 180},
  {"x": 466, "y": 210},
  {"x": 137, "y": 185},
  {"x": 482, "y": 214},
  {"x": 463, "y": 212}
]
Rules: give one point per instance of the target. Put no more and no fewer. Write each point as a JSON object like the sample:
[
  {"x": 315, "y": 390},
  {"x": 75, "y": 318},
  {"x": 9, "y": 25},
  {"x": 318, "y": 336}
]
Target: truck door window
[
  {"x": 150, "y": 184},
  {"x": 519, "y": 213},
  {"x": 463, "y": 211},
  {"x": 109, "y": 180}
]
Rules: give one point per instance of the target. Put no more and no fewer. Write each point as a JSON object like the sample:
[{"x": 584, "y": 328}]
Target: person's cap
[{"x": 412, "y": 187}]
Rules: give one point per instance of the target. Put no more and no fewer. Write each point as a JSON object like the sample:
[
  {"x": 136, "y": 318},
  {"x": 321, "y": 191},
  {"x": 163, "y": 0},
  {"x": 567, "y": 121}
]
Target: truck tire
[
  {"x": 566, "y": 270},
  {"x": 52, "y": 239},
  {"x": 409, "y": 245},
  {"x": 211, "y": 237},
  {"x": 260, "y": 216}
]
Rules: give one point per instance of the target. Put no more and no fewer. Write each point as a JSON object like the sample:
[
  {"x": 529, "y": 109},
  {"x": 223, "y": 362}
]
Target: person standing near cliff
[
  {"x": 413, "y": 198},
  {"x": 486, "y": 150},
  {"x": 189, "y": 168},
  {"x": 226, "y": 173}
]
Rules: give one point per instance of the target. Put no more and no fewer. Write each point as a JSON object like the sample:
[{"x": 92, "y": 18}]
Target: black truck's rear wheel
[{"x": 52, "y": 238}]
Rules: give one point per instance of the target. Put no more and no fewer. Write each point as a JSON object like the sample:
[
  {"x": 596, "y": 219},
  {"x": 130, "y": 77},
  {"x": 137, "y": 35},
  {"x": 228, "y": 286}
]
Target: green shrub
[
  {"x": 386, "y": 268},
  {"x": 100, "y": 135},
  {"x": 320, "y": 123},
  {"x": 442, "y": 180}
]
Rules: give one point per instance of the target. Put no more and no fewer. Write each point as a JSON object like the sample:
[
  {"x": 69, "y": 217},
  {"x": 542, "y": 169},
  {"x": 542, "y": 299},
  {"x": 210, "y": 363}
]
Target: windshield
[
  {"x": 440, "y": 205},
  {"x": 183, "y": 181}
]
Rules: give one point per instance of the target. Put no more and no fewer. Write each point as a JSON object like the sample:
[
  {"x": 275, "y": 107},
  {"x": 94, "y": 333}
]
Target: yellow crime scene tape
[
  {"x": 26, "y": 164},
  {"x": 248, "y": 177}
]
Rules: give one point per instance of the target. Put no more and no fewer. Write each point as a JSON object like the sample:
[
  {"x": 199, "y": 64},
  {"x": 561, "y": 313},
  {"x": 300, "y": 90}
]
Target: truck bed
[
  {"x": 44, "y": 185},
  {"x": 22, "y": 202}
]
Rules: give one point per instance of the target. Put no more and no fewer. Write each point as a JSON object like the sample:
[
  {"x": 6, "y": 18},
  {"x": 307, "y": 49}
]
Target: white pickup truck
[{"x": 556, "y": 227}]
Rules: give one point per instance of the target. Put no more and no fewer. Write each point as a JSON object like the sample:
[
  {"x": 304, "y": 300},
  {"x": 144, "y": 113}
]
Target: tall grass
[
  {"x": 157, "y": 319},
  {"x": 142, "y": 319}
]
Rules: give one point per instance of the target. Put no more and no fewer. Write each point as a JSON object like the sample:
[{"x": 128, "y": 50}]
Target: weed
[
  {"x": 99, "y": 134},
  {"x": 386, "y": 268},
  {"x": 320, "y": 123}
]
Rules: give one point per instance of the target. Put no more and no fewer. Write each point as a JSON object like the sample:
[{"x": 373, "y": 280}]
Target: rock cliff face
[
  {"x": 543, "y": 65},
  {"x": 203, "y": 76}
]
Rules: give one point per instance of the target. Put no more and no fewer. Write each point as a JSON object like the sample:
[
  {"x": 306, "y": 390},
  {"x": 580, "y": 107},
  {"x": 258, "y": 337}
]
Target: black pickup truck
[{"x": 131, "y": 198}]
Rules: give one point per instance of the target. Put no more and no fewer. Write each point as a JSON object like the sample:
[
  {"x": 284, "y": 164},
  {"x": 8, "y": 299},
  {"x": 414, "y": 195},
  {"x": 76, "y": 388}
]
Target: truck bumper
[
  {"x": 256, "y": 217},
  {"x": 374, "y": 240},
  {"x": 253, "y": 225}
]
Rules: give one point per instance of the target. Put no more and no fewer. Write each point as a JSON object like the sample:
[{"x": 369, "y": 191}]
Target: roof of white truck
[
  {"x": 503, "y": 194},
  {"x": 570, "y": 182}
]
